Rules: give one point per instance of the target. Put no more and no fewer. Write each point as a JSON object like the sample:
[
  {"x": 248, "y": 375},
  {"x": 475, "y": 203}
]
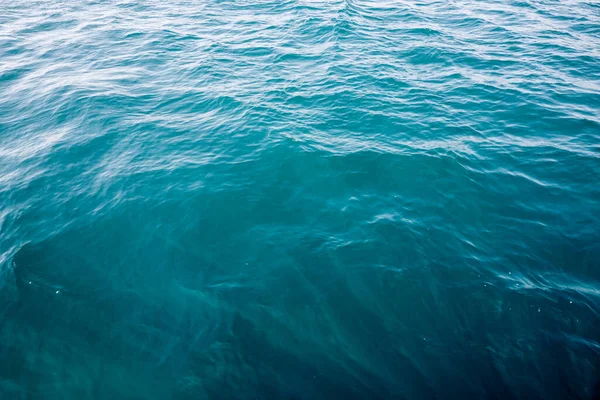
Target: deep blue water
[{"x": 294, "y": 199}]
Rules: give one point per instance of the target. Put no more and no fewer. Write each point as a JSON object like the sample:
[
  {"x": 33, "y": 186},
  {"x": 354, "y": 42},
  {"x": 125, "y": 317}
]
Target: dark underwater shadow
[
  {"x": 279, "y": 374},
  {"x": 105, "y": 341}
]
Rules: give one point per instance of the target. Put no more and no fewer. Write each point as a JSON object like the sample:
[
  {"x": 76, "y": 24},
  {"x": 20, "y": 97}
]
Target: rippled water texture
[{"x": 299, "y": 199}]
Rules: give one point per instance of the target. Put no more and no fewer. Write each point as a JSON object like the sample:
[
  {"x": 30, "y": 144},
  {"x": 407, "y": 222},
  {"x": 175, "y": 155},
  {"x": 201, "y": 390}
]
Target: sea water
[{"x": 298, "y": 199}]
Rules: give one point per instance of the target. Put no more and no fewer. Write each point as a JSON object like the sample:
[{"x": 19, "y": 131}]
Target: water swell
[{"x": 348, "y": 199}]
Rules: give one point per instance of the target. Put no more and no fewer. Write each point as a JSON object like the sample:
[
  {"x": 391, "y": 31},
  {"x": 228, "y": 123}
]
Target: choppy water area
[{"x": 299, "y": 199}]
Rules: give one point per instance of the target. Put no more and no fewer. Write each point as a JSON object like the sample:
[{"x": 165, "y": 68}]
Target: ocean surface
[{"x": 297, "y": 199}]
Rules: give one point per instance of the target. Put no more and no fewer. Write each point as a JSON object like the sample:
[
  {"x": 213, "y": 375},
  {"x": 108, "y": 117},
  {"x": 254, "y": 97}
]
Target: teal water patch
[{"x": 299, "y": 200}]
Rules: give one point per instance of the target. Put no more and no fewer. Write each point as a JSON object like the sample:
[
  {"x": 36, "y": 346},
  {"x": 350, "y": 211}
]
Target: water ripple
[{"x": 299, "y": 199}]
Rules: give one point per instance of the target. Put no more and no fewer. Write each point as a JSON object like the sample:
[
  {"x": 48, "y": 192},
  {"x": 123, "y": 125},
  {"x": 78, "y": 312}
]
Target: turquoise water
[{"x": 299, "y": 200}]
